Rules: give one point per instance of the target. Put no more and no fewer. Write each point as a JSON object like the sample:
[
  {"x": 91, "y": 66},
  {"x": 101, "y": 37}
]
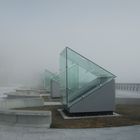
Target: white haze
[{"x": 33, "y": 33}]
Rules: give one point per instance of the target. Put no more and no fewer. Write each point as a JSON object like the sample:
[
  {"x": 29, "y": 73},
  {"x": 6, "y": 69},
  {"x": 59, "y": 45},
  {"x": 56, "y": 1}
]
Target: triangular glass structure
[
  {"x": 78, "y": 75},
  {"x": 48, "y": 76}
]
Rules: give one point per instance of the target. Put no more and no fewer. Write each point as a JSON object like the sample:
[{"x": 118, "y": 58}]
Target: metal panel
[
  {"x": 100, "y": 100},
  {"x": 55, "y": 89}
]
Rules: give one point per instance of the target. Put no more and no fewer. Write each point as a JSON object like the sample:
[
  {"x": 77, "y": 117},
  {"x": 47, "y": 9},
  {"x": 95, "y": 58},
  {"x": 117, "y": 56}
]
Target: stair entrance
[{"x": 85, "y": 86}]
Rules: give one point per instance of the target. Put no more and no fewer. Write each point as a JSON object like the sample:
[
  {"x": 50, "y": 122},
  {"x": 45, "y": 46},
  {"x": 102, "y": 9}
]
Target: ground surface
[
  {"x": 130, "y": 115},
  {"x": 118, "y": 133}
]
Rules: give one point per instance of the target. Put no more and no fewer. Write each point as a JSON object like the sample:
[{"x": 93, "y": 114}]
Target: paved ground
[{"x": 118, "y": 133}]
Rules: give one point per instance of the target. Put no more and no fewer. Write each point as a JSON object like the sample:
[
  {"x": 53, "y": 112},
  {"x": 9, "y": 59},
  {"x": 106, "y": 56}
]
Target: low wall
[
  {"x": 133, "y": 87},
  {"x": 21, "y": 96},
  {"x": 18, "y": 103},
  {"x": 128, "y": 101},
  {"x": 22, "y": 93},
  {"x": 26, "y": 118}
]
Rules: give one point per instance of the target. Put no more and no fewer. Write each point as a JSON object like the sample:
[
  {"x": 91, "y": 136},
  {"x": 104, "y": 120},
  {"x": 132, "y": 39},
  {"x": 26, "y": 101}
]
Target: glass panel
[
  {"x": 75, "y": 58},
  {"x": 63, "y": 76},
  {"x": 48, "y": 76},
  {"x": 79, "y": 75}
]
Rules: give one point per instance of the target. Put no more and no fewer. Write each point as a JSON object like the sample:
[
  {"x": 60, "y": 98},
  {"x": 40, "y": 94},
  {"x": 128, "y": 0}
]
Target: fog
[{"x": 34, "y": 32}]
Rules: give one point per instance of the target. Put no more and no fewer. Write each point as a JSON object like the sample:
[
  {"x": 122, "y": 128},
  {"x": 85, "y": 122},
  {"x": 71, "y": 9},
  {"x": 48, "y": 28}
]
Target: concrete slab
[
  {"x": 46, "y": 94},
  {"x": 52, "y": 103},
  {"x": 82, "y": 117},
  {"x": 18, "y": 103},
  {"x": 26, "y": 118},
  {"x": 18, "y": 93},
  {"x": 115, "y": 133}
]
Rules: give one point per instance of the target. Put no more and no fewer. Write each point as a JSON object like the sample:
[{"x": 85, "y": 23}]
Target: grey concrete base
[
  {"x": 82, "y": 117},
  {"x": 52, "y": 103},
  {"x": 130, "y": 101},
  {"x": 26, "y": 94},
  {"x": 21, "y": 96},
  {"x": 13, "y": 95},
  {"x": 55, "y": 89},
  {"x": 25, "y": 118},
  {"x": 113, "y": 133},
  {"x": 18, "y": 103}
]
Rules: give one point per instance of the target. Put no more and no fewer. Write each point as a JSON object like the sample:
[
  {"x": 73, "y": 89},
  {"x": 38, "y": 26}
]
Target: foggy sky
[{"x": 34, "y": 32}]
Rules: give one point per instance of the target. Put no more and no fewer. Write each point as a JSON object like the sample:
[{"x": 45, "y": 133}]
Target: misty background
[{"x": 34, "y": 32}]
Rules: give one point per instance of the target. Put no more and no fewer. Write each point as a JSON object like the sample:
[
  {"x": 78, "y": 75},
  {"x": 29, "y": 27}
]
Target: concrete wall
[
  {"x": 26, "y": 118},
  {"x": 18, "y": 103}
]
